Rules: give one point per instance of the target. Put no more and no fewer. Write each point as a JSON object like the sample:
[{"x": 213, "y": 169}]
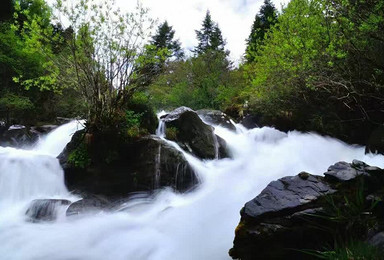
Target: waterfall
[
  {"x": 192, "y": 226},
  {"x": 54, "y": 143}
]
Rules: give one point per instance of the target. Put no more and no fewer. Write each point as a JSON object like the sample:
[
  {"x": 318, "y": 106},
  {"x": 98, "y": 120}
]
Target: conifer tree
[
  {"x": 264, "y": 20},
  {"x": 164, "y": 38},
  {"x": 209, "y": 37}
]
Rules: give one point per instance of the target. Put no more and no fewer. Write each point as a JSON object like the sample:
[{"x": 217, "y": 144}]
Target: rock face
[
  {"x": 193, "y": 135},
  {"x": 294, "y": 213},
  {"x": 142, "y": 165},
  {"x": 18, "y": 136},
  {"x": 44, "y": 209},
  {"x": 216, "y": 117}
]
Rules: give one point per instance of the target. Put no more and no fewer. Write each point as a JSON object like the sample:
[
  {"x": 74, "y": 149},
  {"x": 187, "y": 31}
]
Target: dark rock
[
  {"x": 145, "y": 164},
  {"x": 251, "y": 121},
  {"x": 286, "y": 194},
  {"x": 63, "y": 120},
  {"x": 44, "y": 129},
  {"x": 192, "y": 134},
  {"x": 375, "y": 143},
  {"x": 343, "y": 171},
  {"x": 18, "y": 136},
  {"x": 303, "y": 212},
  {"x": 216, "y": 117},
  {"x": 377, "y": 240},
  {"x": 92, "y": 205},
  {"x": 44, "y": 209}
]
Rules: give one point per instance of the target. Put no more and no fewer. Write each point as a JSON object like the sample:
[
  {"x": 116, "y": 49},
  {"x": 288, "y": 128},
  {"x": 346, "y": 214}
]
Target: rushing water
[{"x": 198, "y": 225}]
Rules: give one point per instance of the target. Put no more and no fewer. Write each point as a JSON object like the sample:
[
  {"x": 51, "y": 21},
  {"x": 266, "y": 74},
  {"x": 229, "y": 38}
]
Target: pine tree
[
  {"x": 209, "y": 37},
  {"x": 164, "y": 38},
  {"x": 266, "y": 18}
]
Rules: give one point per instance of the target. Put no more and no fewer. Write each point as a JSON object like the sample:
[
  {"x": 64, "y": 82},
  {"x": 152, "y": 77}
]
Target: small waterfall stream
[{"x": 192, "y": 226}]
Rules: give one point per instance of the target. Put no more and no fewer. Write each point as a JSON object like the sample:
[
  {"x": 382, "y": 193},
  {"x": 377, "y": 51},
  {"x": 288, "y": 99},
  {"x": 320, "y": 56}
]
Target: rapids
[{"x": 196, "y": 225}]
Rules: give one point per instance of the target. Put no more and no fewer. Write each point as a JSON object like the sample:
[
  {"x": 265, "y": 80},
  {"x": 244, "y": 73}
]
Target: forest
[{"x": 315, "y": 66}]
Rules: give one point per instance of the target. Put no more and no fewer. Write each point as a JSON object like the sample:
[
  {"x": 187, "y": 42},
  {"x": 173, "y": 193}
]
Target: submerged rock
[
  {"x": 295, "y": 213},
  {"x": 93, "y": 204},
  {"x": 44, "y": 209},
  {"x": 184, "y": 126}
]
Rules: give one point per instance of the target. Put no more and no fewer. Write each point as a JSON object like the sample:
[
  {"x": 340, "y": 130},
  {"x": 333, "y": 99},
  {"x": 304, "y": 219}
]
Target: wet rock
[
  {"x": 92, "y": 205},
  {"x": 286, "y": 194},
  {"x": 146, "y": 164},
  {"x": 192, "y": 134},
  {"x": 375, "y": 143},
  {"x": 43, "y": 129},
  {"x": 44, "y": 209},
  {"x": 294, "y": 214},
  {"x": 251, "y": 121},
  {"x": 18, "y": 136},
  {"x": 216, "y": 117}
]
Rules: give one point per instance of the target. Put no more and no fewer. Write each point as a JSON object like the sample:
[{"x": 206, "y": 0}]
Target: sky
[{"x": 235, "y": 18}]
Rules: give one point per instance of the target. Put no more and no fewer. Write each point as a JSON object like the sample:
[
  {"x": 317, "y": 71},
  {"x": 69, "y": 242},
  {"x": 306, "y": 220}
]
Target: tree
[
  {"x": 164, "y": 38},
  {"x": 6, "y": 10},
  {"x": 209, "y": 37},
  {"x": 264, "y": 20},
  {"x": 105, "y": 55}
]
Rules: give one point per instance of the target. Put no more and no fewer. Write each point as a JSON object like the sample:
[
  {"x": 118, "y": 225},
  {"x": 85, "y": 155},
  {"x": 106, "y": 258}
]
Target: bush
[{"x": 79, "y": 157}]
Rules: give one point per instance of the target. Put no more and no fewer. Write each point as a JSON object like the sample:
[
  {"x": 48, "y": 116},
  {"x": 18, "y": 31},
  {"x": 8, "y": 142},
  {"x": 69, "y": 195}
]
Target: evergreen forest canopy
[{"x": 316, "y": 65}]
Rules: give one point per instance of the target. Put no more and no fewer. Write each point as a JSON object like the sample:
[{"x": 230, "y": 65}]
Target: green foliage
[
  {"x": 79, "y": 157},
  {"x": 171, "y": 133},
  {"x": 266, "y": 18},
  {"x": 199, "y": 82},
  {"x": 107, "y": 56},
  {"x": 15, "y": 103},
  {"x": 164, "y": 38},
  {"x": 355, "y": 250},
  {"x": 209, "y": 37},
  {"x": 320, "y": 65}
]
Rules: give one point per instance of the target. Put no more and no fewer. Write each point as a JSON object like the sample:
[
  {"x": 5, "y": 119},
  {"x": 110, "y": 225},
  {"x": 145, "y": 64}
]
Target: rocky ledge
[{"x": 307, "y": 212}]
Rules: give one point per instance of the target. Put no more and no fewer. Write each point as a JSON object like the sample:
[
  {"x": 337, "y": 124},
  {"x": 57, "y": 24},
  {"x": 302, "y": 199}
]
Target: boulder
[
  {"x": 144, "y": 164},
  {"x": 18, "y": 136},
  {"x": 90, "y": 204},
  {"x": 375, "y": 143},
  {"x": 216, "y": 117},
  {"x": 251, "y": 121},
  {"x": 43, "y": 129},
  {"x": 192, "y": 134},
  {"x": 44, "y": 209},
  {"x": 296, "y": 213}
]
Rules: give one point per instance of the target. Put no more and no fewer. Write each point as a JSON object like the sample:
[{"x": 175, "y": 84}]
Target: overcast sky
[{"x": 235, "y": 18}]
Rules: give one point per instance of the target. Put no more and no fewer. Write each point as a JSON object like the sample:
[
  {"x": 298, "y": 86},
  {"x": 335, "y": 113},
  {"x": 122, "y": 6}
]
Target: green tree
[
  {"x": 164, "y": 38},
  {"x": 322, "y": 67},
  {"x": 106, "y": 56},
  {"x": 264, "y": 20},
  {"x": 209, "y": 37}
]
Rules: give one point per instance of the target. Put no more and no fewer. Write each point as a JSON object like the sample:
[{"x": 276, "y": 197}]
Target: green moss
[
  {"x": 79, "y": 157},
  {"x": 171, "y": 133}
]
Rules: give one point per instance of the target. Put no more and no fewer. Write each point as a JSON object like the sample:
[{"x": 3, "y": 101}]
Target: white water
[{"x": 198, "y": 225}]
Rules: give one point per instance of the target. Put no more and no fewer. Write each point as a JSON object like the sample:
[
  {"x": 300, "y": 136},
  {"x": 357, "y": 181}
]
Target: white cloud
[{"x": 235, "y": 18}]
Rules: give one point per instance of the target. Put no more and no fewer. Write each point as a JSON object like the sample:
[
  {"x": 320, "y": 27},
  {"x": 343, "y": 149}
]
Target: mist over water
[{"x": 196, "y": 225}]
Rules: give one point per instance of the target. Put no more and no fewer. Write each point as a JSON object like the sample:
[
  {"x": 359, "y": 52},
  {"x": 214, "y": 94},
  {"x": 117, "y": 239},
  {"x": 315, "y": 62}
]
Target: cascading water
[{"x": 197, "y": 225}]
